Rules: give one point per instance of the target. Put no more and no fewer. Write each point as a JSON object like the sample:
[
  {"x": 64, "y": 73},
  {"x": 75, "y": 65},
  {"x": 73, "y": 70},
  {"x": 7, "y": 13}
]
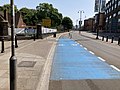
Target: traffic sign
[{"x": 46, "y": 22}]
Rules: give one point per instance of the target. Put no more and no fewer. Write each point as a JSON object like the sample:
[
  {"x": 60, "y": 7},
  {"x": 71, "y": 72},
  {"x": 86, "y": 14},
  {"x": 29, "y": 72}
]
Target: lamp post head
[{"x": 81, "y": 11}]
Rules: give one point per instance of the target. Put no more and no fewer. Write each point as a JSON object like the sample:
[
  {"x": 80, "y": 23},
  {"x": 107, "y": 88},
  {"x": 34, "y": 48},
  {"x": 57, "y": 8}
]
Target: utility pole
[{"x": 13, "y": 59}]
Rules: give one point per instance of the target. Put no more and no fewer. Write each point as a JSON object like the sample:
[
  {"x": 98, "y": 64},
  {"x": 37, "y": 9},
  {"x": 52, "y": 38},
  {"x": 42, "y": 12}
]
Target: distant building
[
  {"x": 89, "y": 24},
  {"x": 99, "y": 22},
  {"x": 113, "y": 16}
]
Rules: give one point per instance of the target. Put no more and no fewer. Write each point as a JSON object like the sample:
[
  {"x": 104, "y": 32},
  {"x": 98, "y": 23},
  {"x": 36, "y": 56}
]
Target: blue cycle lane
[{"x": 73, "y": 62}]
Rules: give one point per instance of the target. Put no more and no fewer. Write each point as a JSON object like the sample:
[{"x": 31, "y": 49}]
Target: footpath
[
  {"x": 34, "y": 59},
  {"x": 93, "y": 36}
]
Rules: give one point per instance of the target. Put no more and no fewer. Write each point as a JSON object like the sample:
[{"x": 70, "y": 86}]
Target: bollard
[
  {"x": 54, "y": 34},
  {"x": 119, "y": 41},
  {"x": 16, "y": 45},
  {"x": 107, "y": 39},
  {"x": 34, "y": 37},
  {"x": 103, "y": 38},
  {"x": 112, "y": 39},
  {"x": 2, "y": 44},
  {"x": 39, "y": 31}
]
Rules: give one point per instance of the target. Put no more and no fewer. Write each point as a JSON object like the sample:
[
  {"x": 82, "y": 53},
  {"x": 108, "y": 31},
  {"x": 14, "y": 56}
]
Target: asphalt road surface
[{"x": 89, "y": 65}]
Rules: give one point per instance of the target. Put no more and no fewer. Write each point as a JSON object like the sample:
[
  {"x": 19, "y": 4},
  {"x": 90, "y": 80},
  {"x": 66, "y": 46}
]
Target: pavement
[
  {"x": 34, "y": 59},
  {"x": 93, "y": 36}
]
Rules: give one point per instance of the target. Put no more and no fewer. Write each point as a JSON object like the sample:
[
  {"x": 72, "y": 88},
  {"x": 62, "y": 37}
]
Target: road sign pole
[{"x": 13, "y": 59}]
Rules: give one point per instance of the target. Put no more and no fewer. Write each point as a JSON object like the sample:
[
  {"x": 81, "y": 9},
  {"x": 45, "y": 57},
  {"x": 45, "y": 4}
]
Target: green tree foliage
[
  {"x": 29, "y": 16},
  {"x": 42, "y": 11},
  {"x": 45, "y": 10},
  {"x": 7, "y": 7},
  {"x": 67, "y": 23}
]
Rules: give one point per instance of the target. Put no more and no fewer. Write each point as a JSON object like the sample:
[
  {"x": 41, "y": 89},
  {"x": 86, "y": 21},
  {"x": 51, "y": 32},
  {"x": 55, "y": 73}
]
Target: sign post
[{"x": 13, "y": 59}]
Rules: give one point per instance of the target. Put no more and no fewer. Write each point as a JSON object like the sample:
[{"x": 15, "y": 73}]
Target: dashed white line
[
  {"x": 81, "y": 45},
  {"x": 101, "y": 59},
  {"x": 85, "y": 48},
  {"x": 91, "y": 52},
  {"x": 74, "y": 44},
  {"x": 77, "y": 43},
  {"x": 61, "y": 45},
  {"x": 115, "y": 68}
]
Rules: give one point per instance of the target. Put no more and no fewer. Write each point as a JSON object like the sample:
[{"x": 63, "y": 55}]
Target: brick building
[
  {"x": 89, "y": 24},
  {"x": 99, "y": 22}
]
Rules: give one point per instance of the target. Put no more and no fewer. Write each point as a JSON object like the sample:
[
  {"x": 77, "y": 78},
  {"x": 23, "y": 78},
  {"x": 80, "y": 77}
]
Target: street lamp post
[
  {"x": 80, "y": 22},
  {"x": 13, "y": 59}
]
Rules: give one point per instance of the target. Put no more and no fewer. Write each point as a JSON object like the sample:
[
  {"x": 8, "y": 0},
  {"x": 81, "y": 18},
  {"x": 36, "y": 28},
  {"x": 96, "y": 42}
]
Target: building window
[
  {"x": 119, "y": 3},
  {"x": 118, "y": 12},
  {"x": 114, "y": 14},
  {"x": 112, "y": 1},
  {"x": 112, "y": 7},
  {"x": 109, "y": 9},
  {"x": 115, "y": 5},
  {"x": 106, "y": 20},
  {"x": 110, "y": 17},
  {"x": 119, "y": 20}
]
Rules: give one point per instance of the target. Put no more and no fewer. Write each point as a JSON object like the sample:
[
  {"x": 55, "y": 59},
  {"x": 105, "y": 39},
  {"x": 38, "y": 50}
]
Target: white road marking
[
  {"x": 77, "y": 43},
  {"x": 74, "y": 44},
  {"x": 61, "y": 45},
  {"x": 115, "y": 68},
  {"x": 85, "y": 48},
  {"x": 81, "y": 45},
  {"x": 60, "y": 78},
  {"x": 91, "y": 52},
  {"x": 101, "y": 59}
]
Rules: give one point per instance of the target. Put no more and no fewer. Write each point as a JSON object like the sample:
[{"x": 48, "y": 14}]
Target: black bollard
[
  {"x": 54, "y": 34},
  {"x": 34, "y": 37},
  {"x": 107, "y": 39},
  {"x": 103, "y": 38},
  {"x": 16, "y": 45},
  {"x": 112, "y": 39},
  {"x": 2, "y": 44},
  {"x": 39, "y": 31},
  {"x": 119, "y": 41}
]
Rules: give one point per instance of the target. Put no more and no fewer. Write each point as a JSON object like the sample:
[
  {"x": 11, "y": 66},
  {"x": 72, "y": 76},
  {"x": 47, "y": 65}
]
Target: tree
[
  {"x": 45, "y": 11},
  {"x": 67, "y": 23},
  {"x": 29, "y": 16},
  {"x": 7, "y": 7}
]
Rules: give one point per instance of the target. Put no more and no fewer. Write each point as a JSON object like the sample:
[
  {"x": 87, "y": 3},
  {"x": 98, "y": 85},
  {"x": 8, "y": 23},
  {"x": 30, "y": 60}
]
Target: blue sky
[{"x": 68, "y": 8}]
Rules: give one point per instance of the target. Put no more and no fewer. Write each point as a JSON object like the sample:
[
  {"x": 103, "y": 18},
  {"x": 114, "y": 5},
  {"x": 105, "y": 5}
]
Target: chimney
[{"x": 5, "y": 14}]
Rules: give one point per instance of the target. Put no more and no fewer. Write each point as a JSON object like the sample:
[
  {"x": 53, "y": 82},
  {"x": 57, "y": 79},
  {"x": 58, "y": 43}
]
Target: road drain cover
[{"x": 27, "y": 64}]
